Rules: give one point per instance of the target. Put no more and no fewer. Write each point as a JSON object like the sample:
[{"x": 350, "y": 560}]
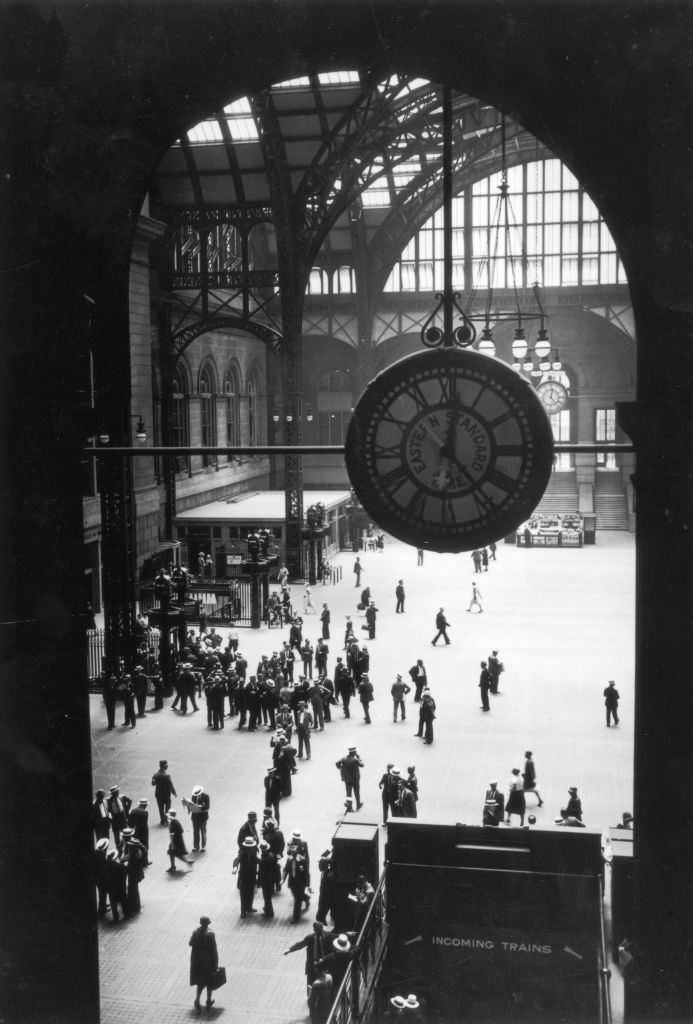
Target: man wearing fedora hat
[
  {"x": 118, "y": 808},
  {"x": 163, "y": 790},
  {"x": 204, "y": 960},
  {"x": 139, "y": 822},
  {"x": 133, "y": 855},
  {"x": 115, "y": 879},
  {"x": 248, "y": 829},
  {"x": 273, "y": 791},
  {"x": 198, "y": 809},
  {"x": 304, "y": 726},
  {"x": 573, "y": 809},
  {"x": 100, "y": 821},
  {"x": 266, "y": 871},
  {"x": 99, "y": 874},
  {"x": 245, "y": 865},
  {"x": 350, "y": 770}
]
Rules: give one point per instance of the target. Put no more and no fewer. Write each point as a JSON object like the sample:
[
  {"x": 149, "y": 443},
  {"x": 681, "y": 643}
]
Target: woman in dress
[
  {"x": 204, "y": 960},
  {"x": 516, "y": 798},
  {"x": 176, "y": 844}
]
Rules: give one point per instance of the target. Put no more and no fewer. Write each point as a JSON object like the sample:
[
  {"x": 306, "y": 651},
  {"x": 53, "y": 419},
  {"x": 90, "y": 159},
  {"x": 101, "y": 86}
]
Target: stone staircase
[
  {"x": 561, "y": 495},
  {"x": 610, "y": 502}
]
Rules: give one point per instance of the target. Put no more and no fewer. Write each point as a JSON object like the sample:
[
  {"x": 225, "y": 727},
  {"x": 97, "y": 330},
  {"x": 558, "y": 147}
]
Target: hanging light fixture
[{"x": 486, "y": 343}]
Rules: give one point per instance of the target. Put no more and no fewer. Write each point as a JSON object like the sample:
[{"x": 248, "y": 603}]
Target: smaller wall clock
[
  {"x": 449, "y": 450},
  {"x": 552, "y": 395}
]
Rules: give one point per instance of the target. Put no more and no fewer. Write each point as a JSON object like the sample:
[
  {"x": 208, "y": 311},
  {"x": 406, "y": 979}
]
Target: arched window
[
  {"x": 179, "y": 421},
  {"x": 255, "y": 433},
  {"x": 318, "y": 282},
  {"x": 208, "y": 425},
  {"x": 232, "y": 410},
  {"x": 344, "y": 281}
]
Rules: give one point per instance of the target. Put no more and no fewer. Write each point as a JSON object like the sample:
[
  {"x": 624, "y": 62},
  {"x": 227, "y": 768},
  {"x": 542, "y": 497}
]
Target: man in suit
[
  {"x": 245, "y": 865},
  {"x": 350, "y": 771},
  {"x": 99, "y": 816},
  {"x": 399, "y": 594},
  {"x": 418, "y": 677},
  {"x": 321, "y": 652},
  {"x": 495, "y": 667},
  {"x": 399, "y": 690},
  {"x": 388, "y": 791},
  {"x": 99, "y": 874},
  {"x": 163, "y": 791},
  {"x": 317, "y": 945},
  {"x": 266, "y": 870},
  {"x": 296, "y": 634},
  {"x": 371, "y": 617},
  {"x": 611, "y": 699},
  {"x": 304, "y": 727},
  {"x": 427, "y": 715},
  {"x": 198, "y": 808},
  {"x": 485, "y": 686},
  {"x": 118, "y": 808},
  {"x": 297, "y": 872},
  {"x": 442, "y": 626},
  {"x": 273, "y": 790},
  {"x": 248, "y": 828},
  {"x": 366, "y": 696},
  {"x": 307, "y": 658},
  {"x": 325, "y": 620},
  {"x": 139, "y": 823}
]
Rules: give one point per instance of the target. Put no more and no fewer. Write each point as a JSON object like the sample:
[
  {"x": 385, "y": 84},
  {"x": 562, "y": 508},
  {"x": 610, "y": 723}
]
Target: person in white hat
[
  {"x": 266, "y": 872},
  {"x": 99, "y": 873},
  {"x": 297, "y": 872},
  {"x": 245, "y": 865},
  {"x": 139, "y": 821},
  {"x": 494, "y": 805},
  {"x": 350, "y": 771},
  {"x": 134, "y": 856},
  {"x": 338, "y": 959},
  {"x": 198, "y": 808},
  {"x": 399, "y": 1005}
]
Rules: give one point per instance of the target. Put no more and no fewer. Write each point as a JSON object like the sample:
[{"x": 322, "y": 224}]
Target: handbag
[{"x": 218, "y": 978}]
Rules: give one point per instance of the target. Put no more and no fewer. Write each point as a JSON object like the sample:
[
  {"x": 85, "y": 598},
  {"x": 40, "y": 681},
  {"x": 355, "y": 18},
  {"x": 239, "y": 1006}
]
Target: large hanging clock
[
  {"x": 552, "y": 395},
  {"x": 449, "y": 450}
]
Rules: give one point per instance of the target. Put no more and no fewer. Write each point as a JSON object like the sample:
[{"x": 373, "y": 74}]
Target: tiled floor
[{"x": 563, "y": 623}]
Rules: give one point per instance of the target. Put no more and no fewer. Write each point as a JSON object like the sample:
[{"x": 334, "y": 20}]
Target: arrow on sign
[
  {"x": 567, "y": 949},
  {"x": 410, "y": 942}
]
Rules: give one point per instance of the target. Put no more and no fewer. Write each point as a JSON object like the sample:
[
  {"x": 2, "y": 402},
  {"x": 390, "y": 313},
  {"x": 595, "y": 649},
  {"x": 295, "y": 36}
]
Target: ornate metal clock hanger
[{"x": 465, "y": 334}]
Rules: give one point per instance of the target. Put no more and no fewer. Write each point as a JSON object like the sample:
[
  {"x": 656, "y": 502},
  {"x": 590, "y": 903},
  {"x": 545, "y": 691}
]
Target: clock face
[
  {"x": 553, "y": 396},
  {"x": 449, "y": 450}
]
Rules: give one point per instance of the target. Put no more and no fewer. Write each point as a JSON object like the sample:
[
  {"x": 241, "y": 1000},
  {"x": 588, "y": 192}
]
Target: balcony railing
[{"x": 354, "y": 998}]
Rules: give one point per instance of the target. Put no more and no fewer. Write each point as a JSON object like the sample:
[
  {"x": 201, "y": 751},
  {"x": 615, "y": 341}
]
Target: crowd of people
[{"x": 293, "y": 691}]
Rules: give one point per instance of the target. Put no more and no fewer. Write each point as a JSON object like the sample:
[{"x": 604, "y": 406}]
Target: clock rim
[{"x": 382, "y": 511}]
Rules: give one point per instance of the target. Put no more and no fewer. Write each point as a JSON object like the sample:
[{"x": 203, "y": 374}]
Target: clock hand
[{"x": 429, "y": 430}]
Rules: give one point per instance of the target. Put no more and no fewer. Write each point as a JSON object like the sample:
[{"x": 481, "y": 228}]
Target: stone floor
[{"x": 563, "y": 621}]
